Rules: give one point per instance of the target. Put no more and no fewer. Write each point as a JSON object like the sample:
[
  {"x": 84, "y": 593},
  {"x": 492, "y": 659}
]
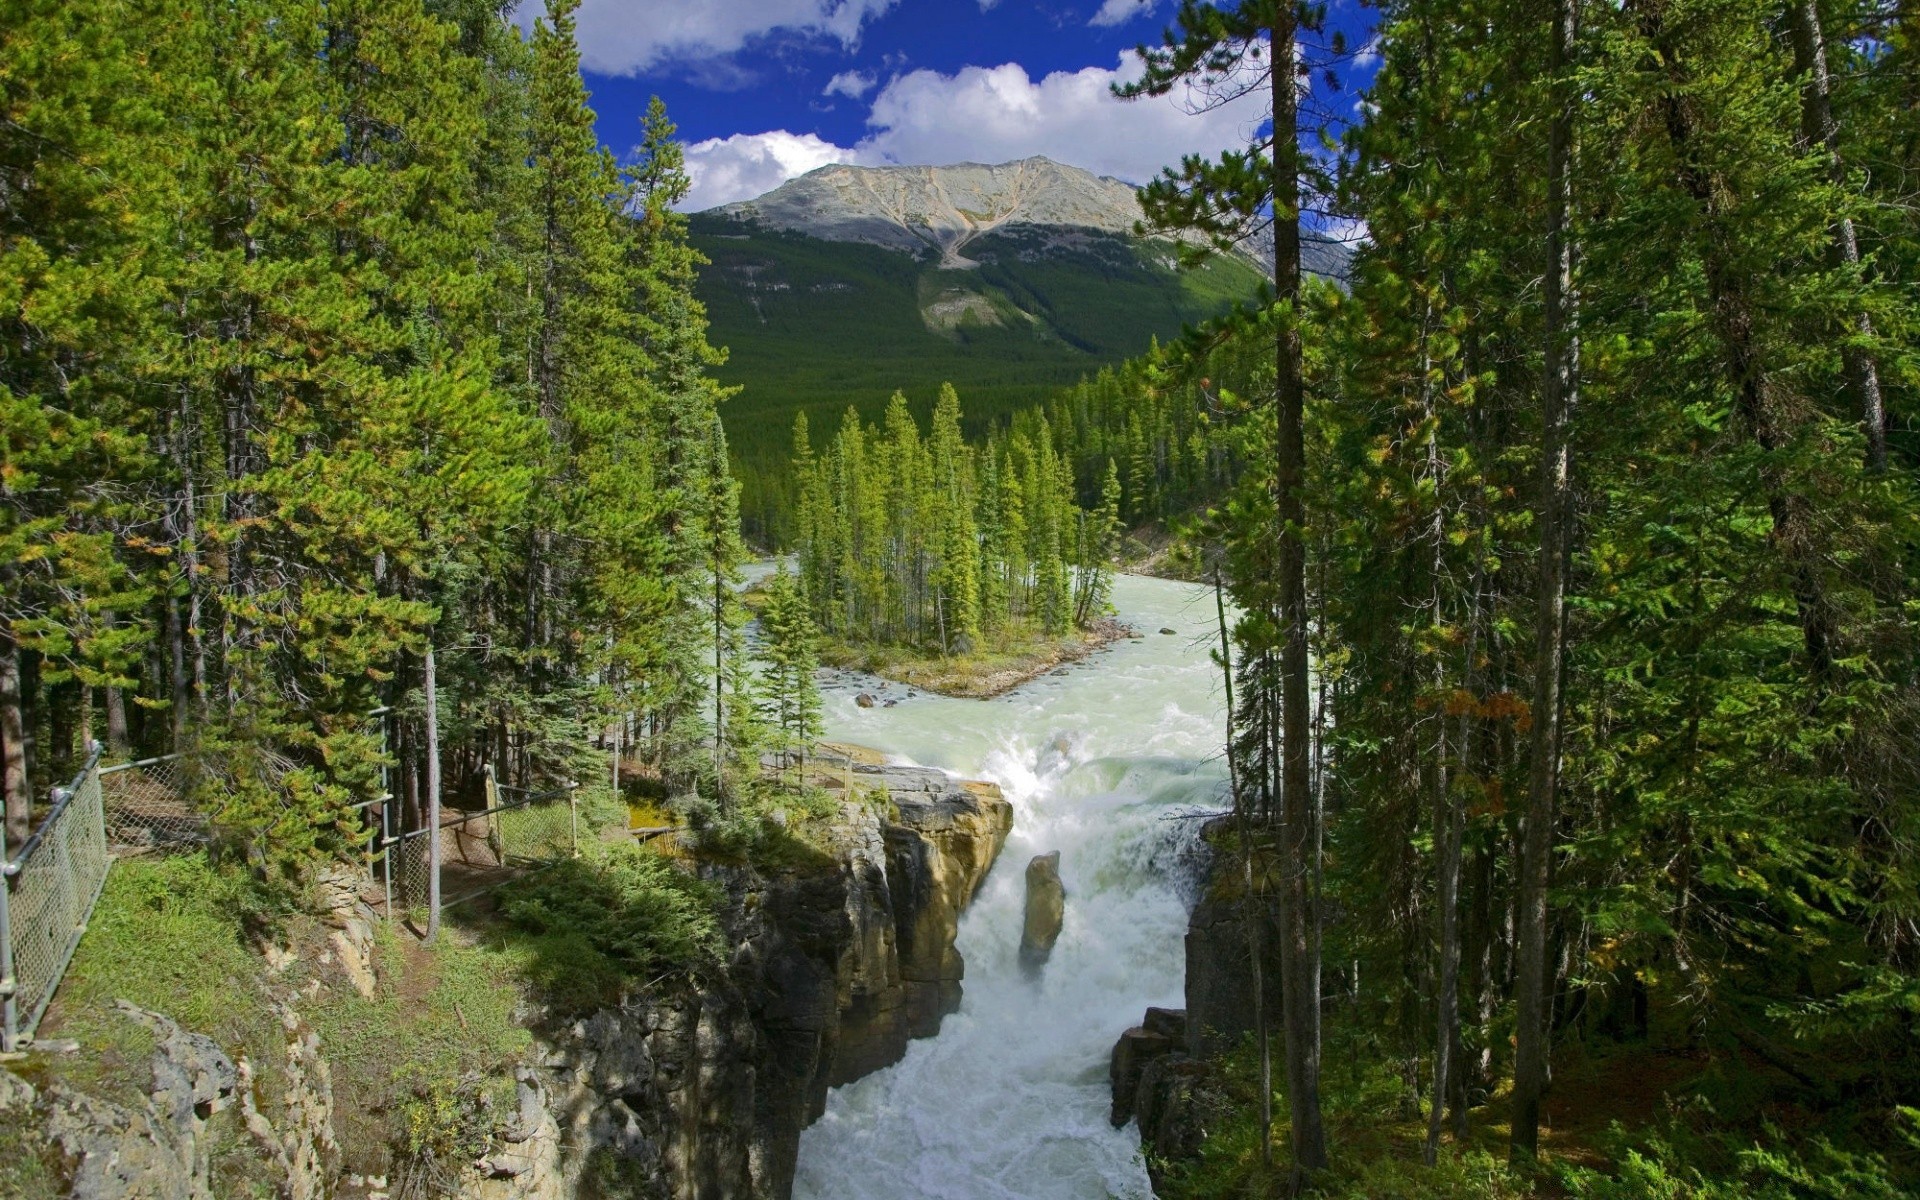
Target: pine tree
[{"x": 792, "y": 705}]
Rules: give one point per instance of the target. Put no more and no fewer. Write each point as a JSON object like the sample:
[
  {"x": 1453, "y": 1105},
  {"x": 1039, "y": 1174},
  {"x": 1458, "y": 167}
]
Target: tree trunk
[
  {"x": 1819, "y": 128},
  {"x": 1561, "y": 395},
  {"x": 13, "y": 744},
  {"x": 1733, "y": 317},
  {"x": 1300, "y": 974},
  {"x": 1254, "y": 911},
  {"x": 1446, "y": 836}
]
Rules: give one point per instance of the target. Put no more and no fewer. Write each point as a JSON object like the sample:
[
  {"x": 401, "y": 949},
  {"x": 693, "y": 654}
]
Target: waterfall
[{"x": 1009, "y": 1101}]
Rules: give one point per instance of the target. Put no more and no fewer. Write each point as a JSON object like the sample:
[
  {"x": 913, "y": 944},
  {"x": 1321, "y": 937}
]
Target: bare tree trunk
[
  {"x": 116, "y": 703},
  {"x": 1819, "y": 128},
  {"x": 1255, "y": 909},
  {"x": 1300, "y": 976},
  {"x": 1561, "y": 395},
  {"x": 13, "y": 743},
  {"x": 1446, "y": 833}
]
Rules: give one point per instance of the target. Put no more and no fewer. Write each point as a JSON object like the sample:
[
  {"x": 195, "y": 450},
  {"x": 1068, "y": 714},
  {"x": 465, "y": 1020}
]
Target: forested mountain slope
[{"x": 1010, "y": 282}]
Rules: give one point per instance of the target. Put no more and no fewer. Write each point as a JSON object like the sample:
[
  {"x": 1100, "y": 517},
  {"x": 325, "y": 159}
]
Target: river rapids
[{"x": 1009, "y": 1101}]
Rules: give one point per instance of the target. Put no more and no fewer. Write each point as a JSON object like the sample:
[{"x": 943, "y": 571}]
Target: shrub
[{"x": 616, "y": 912}]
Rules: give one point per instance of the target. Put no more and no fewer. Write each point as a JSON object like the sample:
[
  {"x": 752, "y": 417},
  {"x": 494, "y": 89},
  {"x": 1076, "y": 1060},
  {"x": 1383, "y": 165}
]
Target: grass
[
  {"x": 442, "y": 1029},
  {"x": 170, "y": 935},
  {"x": 30, "y": 1168}
]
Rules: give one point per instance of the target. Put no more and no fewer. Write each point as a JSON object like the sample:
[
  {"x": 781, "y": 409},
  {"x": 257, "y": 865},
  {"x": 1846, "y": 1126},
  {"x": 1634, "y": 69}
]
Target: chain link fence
[
  {"x": 145, "y": 807},
  {"x": 51, "y": 883},
  {"x": 479, "y": 851}
]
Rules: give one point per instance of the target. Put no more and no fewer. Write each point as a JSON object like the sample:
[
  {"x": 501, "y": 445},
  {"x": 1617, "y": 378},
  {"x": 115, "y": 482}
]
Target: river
[{"x": 1009, "y": 1101}]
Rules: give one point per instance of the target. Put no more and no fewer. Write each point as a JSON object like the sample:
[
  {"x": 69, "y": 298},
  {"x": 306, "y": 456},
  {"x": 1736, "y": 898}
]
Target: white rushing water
[{"x": 1009, "y": 1101}]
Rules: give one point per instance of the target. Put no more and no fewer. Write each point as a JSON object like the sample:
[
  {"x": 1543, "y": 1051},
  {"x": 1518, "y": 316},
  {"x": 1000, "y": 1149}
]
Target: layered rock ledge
[{"x": 702, "y": 1093}]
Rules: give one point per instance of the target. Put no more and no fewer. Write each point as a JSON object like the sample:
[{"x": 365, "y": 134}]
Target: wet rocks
[
  {"x": 1046, "y": 910},
  {"x": 1157, "y": 1084},
  {"x": 865, "y": 700},
  {"x": 702, "y": 1093},
  {"x": 1163, "y": 1032},
  {"x": 1168, "y": 630}
]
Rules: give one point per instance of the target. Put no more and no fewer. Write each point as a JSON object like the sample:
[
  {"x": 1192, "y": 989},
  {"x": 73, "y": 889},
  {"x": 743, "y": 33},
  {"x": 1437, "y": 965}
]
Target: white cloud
[
  {"x": 751, "y": 164},
  {"x": 989, "y": 115},
  {"x": 851, "y": 84},
  {"x": 1350, "y": 232},
  {"x": 1119, "y": 12},
  {"x": 624, "y": 37},
  {"x": 996, "y": 114}
]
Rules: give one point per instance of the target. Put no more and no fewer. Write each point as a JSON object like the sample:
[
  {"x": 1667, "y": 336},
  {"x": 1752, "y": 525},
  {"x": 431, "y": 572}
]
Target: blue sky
[{"x": 767, "y": 89}]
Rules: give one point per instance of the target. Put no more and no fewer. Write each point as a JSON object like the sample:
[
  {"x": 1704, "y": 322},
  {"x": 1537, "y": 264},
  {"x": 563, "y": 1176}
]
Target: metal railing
[
  {"x": 144, "y": 805},
  {"x": 50, "y": 886},
  {"x": 520, "y": 832}
]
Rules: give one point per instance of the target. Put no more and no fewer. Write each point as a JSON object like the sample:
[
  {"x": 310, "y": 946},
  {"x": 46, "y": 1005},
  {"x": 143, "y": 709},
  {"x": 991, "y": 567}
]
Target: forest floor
[{"x": 998, "y": 666}]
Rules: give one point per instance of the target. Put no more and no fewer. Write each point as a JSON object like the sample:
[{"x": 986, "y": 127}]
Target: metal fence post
[
  {"x": 573, "y": 815},
  {"x": 433, "y": 800},
  {"x": 386, "y": 809},
  {"x": 9, "y": 986}
]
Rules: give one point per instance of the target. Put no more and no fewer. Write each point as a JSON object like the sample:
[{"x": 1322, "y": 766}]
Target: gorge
[{"x": 1105, "y": 763}]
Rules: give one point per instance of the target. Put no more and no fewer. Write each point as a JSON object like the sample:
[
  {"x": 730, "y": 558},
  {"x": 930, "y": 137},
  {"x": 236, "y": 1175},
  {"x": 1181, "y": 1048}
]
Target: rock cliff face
[
  {"x": 1161, "y": 1072},
  {"x": 940, "y": 208},
  {"x": 698, "y": 1091},
  {"x": 702, "y": 1094}
]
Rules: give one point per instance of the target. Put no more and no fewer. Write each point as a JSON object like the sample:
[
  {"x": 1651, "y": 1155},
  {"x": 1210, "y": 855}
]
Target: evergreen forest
[
  {"x": 1566, "y": 553},
  {"x": 343, "y": 368}
]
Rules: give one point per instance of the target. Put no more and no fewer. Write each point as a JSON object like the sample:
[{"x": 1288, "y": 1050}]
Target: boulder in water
[
  {"x": 1046, "y": 909},
  {"x": 1163, "y": 1033},
  {"x": 1167, "y": 629},
  {"x": 864, "y": 700}
]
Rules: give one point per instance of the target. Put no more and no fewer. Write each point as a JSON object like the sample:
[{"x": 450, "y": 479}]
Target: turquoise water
[{"x": 1009, "y": 1102}]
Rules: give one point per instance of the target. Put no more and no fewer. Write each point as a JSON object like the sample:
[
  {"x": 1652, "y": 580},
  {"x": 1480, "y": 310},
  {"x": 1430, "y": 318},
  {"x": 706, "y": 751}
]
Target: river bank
[{"x": 993, "y": 669}]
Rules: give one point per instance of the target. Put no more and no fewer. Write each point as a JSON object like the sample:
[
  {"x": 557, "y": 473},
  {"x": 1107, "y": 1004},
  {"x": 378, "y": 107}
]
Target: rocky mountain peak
[
  {"x": 918, "y": 208},
  {"x": 914, "y": 208}
]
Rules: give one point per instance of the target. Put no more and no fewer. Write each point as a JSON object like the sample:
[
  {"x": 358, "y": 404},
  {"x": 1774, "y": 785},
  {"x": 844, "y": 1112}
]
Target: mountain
[
  {"x": 850, "y": 283},
  {"x": 941, "y": 210}
]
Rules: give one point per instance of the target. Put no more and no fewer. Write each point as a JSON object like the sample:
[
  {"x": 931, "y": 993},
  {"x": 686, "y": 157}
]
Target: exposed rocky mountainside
[
  {"x": 849, "y": 283},
  {"x": 944, "y": 209},
  {"x": 940, "y": 208}
]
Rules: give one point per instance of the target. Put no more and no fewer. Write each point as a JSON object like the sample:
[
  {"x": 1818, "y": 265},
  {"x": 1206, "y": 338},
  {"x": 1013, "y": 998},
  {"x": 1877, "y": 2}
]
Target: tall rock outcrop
[
  {"x": 1162, "y": 1071},
  {"x": 1045, "y": 911},
  {"x": 702, "y": 1093}
]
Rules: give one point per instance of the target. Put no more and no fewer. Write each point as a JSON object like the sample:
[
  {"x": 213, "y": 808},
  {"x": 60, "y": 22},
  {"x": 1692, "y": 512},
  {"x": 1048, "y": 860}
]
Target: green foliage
[
  {"x": 1681, "y": 1164},
  {"x": 440, "y": 1031},
  {"x": 335, "y": 332},
  {"x": 931, "y": 544},
  {"x": 612, "y": 919},
  {"x": 790, "y": 705},
  {"x": 815, "y": 326}
]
